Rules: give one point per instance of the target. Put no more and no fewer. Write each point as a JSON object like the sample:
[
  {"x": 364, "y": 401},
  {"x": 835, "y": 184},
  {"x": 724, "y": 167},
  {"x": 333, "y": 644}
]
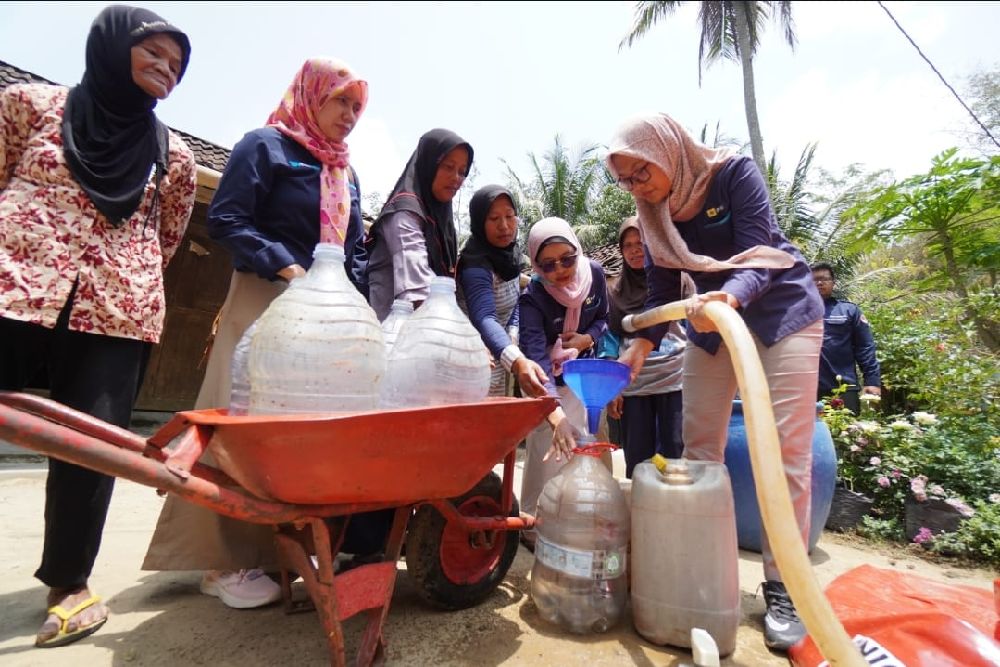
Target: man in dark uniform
[{"x": 847, "y": 344}]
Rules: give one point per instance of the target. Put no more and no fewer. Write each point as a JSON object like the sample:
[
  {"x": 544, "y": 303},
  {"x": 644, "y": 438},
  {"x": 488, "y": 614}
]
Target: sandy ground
[{"x": 160, "y": 618}]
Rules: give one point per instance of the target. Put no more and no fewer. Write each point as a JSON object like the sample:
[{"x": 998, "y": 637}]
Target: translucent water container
[
  {"x": 438, "y": 357},
  {"x": 239, "y": 393},
  {"x": 684, "y": 556},
  {"x": 400, "y": 312},
  {"x": 318, "y": 347},
  {"x": 579, "y": 580}
]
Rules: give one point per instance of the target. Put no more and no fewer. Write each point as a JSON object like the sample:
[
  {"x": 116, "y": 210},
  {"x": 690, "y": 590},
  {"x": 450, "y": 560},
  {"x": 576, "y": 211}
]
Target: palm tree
[
  {"x": 729, "y": 30},
  {"x": 561, "y": 185}
]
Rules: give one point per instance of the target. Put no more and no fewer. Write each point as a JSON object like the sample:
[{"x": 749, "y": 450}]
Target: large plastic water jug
[
  {"x": 318, "y": 347},
  {"x": 400, "y": 312},
  {"x": 580, "y": 579},
  {"x": 438, "y": 357},
  {"x": 685, "y": 571},
  {"x": 824, "y": 477},
  {"x": 239, "y": 378}
]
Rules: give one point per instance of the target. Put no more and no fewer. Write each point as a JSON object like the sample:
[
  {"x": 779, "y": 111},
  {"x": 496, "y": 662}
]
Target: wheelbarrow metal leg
[
  {"x": 295, "y": 545},
  {"x": 373, "y": 644},
  {"x": 366, "y": 588}
]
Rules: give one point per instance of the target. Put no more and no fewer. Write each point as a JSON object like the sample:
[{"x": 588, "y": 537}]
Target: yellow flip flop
[{"x": 64, "y": 637}]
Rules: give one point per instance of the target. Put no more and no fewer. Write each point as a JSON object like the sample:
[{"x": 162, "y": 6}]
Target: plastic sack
[{"x": 899, "y": 619}]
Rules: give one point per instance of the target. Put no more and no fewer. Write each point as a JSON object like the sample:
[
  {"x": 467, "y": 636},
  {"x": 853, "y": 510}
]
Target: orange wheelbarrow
[{"x": 306, "y": 474}]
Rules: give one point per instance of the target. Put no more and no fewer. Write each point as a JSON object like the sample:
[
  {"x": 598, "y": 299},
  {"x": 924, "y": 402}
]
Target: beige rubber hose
[{"x": 769, "y": 475}]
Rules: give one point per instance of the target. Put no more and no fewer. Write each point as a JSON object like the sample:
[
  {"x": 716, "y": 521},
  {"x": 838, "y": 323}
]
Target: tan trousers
[
  {"x": 792, "y": 368},
  {"x": 189, "y": 537}
]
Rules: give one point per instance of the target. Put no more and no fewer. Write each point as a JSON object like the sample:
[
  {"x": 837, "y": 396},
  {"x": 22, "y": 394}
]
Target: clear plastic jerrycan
[
  {"x": 580, "y": 580},
  {"x": 438, "y": 357},
  {"x": 400, "y": 312},
  {"x": 685, "y": 572},
  {"x": 318, "y": 347}
]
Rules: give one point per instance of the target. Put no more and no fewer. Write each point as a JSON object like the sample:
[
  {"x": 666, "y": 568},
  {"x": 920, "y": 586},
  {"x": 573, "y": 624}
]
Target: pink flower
[
  {"x": 923, "y": 535},
  {"x": 874, "y": 461},
  {"x": 917, "y": 487},
  {"x": 896, "y": 474},
  {"x": 962, "y": 508},
  {"x": 884, "y": 482},
  {"x": 855, "y": 448}
]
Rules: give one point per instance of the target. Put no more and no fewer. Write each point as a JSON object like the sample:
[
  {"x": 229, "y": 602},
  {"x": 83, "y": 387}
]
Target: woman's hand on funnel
[
  {"x": 530, "y": 377},
  {"x": 635, "y": 356},
  {"x": 695, "y": 309},
  {"x": 579, "y": 341},
  {"x": 564, "y": 436},
  {"x": 615, "y": 407}
]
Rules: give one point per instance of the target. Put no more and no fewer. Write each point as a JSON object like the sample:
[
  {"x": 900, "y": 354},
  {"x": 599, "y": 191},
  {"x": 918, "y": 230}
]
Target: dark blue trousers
[{"x": 651, "y": 425}]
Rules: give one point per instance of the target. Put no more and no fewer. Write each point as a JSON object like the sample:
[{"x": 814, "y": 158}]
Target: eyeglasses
[
  {"x": 549, "y": 265},
  {"x": 638, "y": 177},
  {"x": 822, "y": 280}
]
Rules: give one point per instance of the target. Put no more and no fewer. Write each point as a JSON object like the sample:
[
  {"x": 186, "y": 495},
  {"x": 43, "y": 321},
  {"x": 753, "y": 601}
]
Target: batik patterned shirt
[{"x": 52, "y": 236}]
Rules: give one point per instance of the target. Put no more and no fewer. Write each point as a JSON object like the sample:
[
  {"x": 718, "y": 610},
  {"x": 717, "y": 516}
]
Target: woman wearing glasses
[
  {"x": 563, "y": 311},
  {"x": 706, "y": 212},
  {"x": 489, "y": 272}
]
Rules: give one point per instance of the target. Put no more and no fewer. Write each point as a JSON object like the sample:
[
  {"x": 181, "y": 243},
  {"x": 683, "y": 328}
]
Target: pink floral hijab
[
  {"x": 571, "y": 296},
  {"x": 659, "y": 139},
  {"x": 318, "y": 81}
]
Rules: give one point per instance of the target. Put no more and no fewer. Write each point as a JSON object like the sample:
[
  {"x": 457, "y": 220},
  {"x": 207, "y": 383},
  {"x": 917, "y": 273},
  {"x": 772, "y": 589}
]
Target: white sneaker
[{"x": 245, "y": 589}]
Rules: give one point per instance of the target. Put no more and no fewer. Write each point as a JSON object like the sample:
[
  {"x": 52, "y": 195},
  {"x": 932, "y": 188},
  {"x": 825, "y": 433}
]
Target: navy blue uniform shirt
[
  {"x": 847, "y": 343},
  {"x": 542, "y": 316},
  {"x": 266, "y": 210},
  {"x": 737, "y": 216}
]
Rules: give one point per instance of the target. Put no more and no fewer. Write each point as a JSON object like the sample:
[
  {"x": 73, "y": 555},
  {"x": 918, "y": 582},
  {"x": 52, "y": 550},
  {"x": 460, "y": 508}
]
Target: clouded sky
[{"x": 509, "y": 76}]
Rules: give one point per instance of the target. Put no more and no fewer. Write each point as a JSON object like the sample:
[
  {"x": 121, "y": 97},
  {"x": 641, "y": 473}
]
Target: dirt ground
[{"x": 160, "y": 618}]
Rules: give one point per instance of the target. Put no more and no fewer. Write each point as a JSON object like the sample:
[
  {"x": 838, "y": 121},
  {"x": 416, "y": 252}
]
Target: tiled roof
[
  {"x": 206, "y": 153},
  {"x": 609, "y": 257}
]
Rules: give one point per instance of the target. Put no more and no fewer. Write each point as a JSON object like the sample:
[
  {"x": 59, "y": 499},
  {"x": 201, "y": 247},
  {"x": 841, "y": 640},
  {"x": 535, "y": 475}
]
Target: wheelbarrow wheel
[{"x": 450, "y": 570}]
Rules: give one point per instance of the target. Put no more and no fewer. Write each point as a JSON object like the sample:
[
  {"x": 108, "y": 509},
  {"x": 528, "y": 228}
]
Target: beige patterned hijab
[{"x": 660, "y": 140}]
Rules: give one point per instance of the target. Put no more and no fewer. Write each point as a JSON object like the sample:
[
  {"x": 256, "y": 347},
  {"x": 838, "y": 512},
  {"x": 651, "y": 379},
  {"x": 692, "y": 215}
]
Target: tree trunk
[
  {"x": 749, "y": 94},
  {"x": 986, "y": 328}
]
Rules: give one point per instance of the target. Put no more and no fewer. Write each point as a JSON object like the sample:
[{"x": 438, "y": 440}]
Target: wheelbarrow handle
[{"x": 67, "y": 444}]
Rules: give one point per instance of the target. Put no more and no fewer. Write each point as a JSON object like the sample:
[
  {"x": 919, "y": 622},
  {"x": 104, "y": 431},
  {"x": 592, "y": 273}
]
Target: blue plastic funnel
[{"x": 595, "y": 382}]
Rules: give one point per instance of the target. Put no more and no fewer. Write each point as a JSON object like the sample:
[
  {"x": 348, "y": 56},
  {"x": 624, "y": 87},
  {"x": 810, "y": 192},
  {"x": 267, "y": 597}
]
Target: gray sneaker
[{"x": 782, "y": 626}]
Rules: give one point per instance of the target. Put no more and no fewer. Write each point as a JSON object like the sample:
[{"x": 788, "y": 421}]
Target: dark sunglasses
[{"x": 566, "y": 262}]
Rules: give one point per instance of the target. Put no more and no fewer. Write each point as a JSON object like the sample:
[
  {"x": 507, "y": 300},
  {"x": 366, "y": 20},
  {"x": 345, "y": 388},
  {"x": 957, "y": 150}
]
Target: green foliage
[
  {"x": 893, "y": 458},
  {"x": 790, "y": 200},
  {"x": 605, "y": 217},
  {"x": 577, "y": 189},
  {"x": 953, "y": 210},
  {"x": 977, "y": 538},
  {"x": 930, "y": 357}
]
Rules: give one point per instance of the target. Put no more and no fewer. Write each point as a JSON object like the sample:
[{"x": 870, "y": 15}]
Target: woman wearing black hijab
[
  {"x": 95, "y": 195},
  {"x": 414, "y": 237},
  {"x": 489, "y": 273}
]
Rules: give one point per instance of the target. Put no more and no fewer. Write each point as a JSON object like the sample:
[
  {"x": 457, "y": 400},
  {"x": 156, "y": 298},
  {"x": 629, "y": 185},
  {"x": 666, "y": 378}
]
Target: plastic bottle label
[{"x": 597, "y": 565}]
